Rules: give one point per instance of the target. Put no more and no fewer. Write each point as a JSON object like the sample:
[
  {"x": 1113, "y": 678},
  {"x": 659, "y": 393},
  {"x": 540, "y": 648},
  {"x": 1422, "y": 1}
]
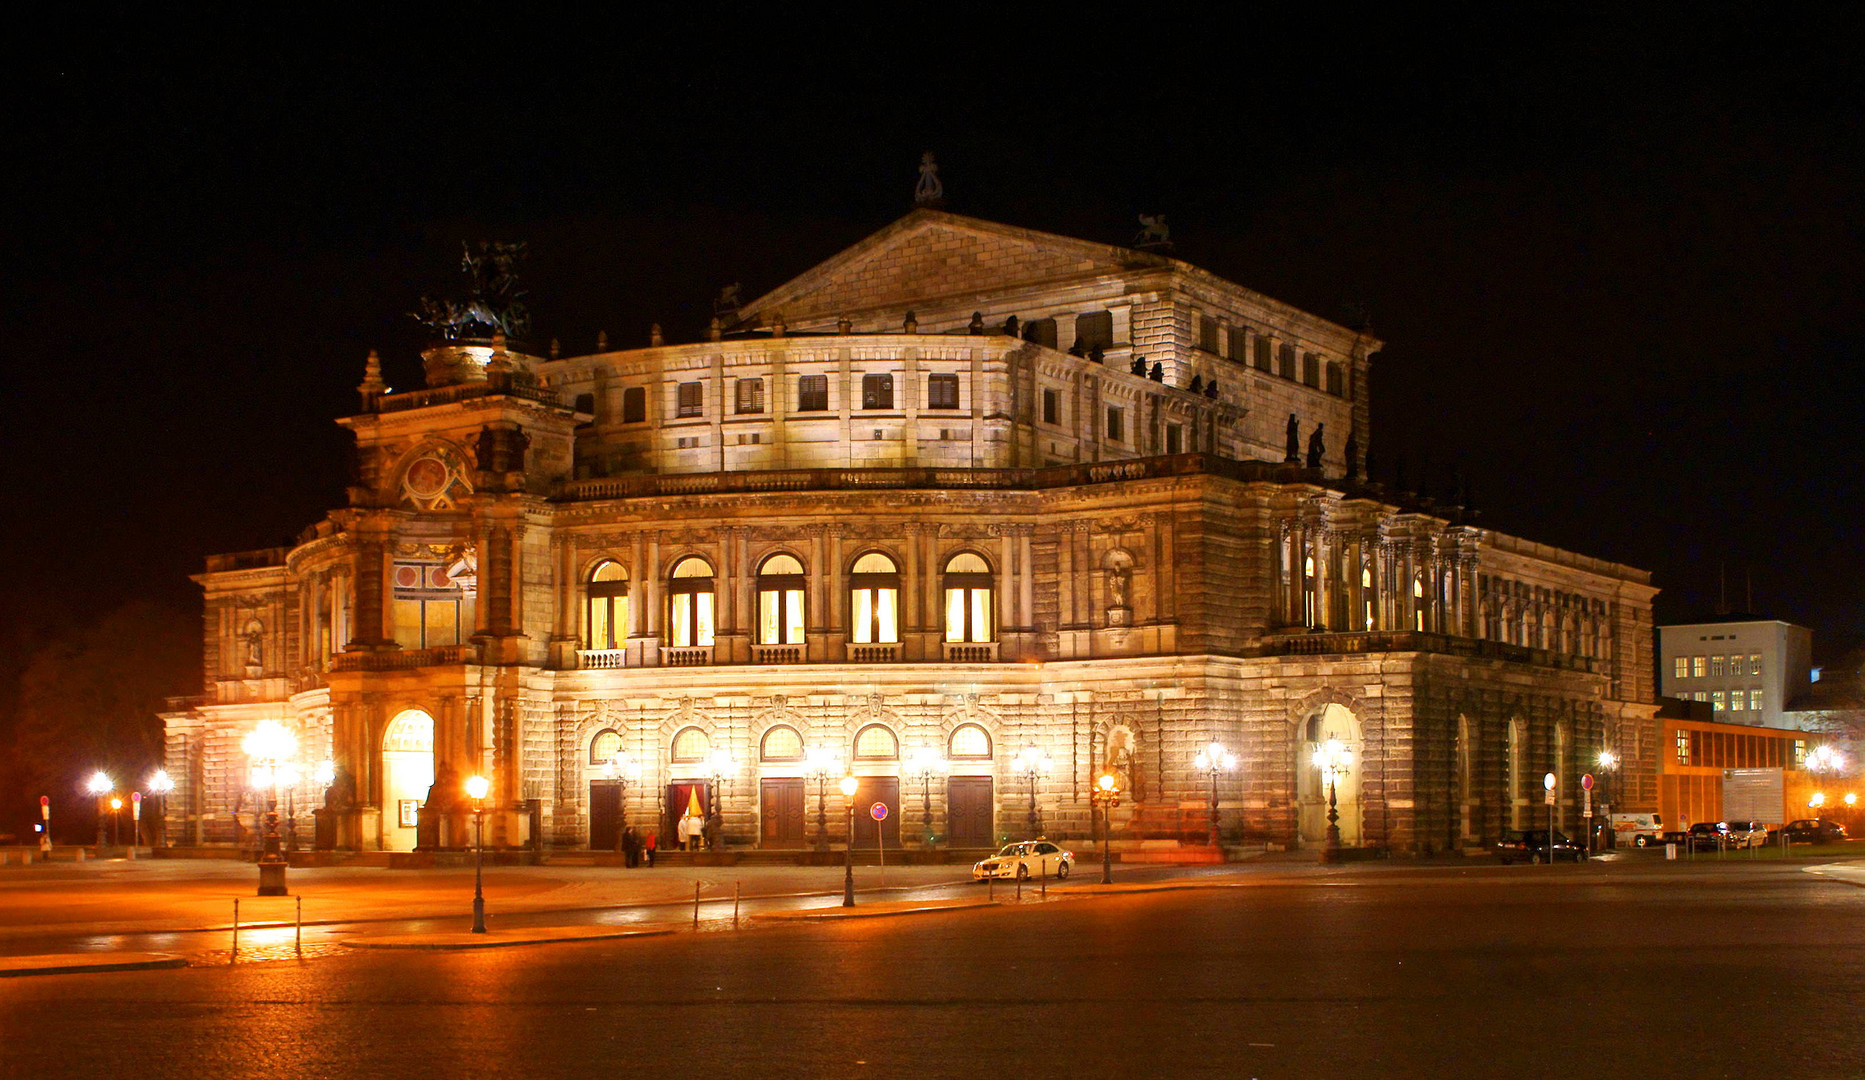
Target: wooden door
[
  {"x": 968, "y": 811},
  {"x": 780, "y": 809},
  {"x": 605, "y": 815},
  {"x": 881, "y": 789}
]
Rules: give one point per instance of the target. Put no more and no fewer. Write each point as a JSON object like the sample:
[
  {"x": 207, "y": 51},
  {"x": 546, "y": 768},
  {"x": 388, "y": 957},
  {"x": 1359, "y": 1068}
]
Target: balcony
[
  {"x": 874, "y": 654},
  {"x": 699, "y": 656},
  {"x": 1380, "y": 641},
  {"x": 970, "y": 652},
  {"x": 777, "y": 654},
  {"x": 601, "y": 659},
  {"x": 403, "y": 659}
]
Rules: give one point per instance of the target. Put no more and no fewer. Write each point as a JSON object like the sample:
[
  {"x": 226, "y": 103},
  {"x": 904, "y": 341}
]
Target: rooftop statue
[
  {"x": 494, "y": 303},
  {"x": 1154, "y": 232},
  {"x": 929, "y": 191}
]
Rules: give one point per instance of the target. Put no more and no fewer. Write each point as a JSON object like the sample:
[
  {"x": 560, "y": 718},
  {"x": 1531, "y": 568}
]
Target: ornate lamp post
[
  {"x": 1608, "y": 763},
  {"x": 99, "y": 785},
  {"x": 116, "y": 812},
  {"x": 723, "y": 767},
  {"x": 1034, "y": 764},
  {"x": 821, "y": 763},
  {"x": 1213, "y": 759},
  {"x": 926, "y": 763},
  {"x": 1106, "y": 796},
  {"x": 1333, "y": 758},
  {"x": 160, "y": 785},
  {"x": 849, "y": 785},
  {"x": 271, "y": 746},
  {"x": 625, "y": 769},
  {"x": 476, "y": 788}
]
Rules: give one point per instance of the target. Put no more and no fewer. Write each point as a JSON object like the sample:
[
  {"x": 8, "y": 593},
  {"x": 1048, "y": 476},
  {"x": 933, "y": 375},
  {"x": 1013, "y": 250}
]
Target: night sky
[{"x": 1614, "y": 258}]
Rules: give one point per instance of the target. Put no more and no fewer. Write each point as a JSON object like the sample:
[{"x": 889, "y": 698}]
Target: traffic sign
[
  {"x": 1586, "y": 781},
  {"x": 879, "y": 810}
]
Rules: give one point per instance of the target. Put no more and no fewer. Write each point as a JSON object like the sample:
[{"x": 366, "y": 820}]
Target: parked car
[
  {"x": 1745, "y": 834},
  {"x": 1025, "y": 859},
  {"x": 1639, "y": 830},
  {"x": 1810, "y": 831},
  {"x": 1723, "y": 835},
  {"x": 1532, "y": 846}
]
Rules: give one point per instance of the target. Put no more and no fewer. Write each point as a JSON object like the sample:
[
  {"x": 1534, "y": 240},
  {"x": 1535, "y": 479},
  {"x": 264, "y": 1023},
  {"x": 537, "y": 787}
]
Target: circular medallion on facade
[{"x": 427, "y": 477}]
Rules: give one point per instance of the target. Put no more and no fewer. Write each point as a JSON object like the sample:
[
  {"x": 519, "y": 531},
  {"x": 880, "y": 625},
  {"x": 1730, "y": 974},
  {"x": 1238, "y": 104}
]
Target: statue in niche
[
  {"x": 1317, "y": 447},
  {"x": 255, "y": 645},
  {"x": 1118, "y": 580},
  {"x": 1120, "y": 759}
]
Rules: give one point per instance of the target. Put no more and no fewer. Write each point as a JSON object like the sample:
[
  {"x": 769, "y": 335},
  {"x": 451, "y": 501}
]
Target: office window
[
  {"x": 635, "y": 405},
  {"x": 1699, "y": 666},
  {"x": 1716, "y": 666},
  {"x": 877, "y": 391},
  {"x": 751, "y": 395},
  {"x": 1737, "y": 701},
  {"x": 942, "y": 391},
  {"x": 691, "y": 400},
  {"x": 1115, "y": 424},
  {"x": 1052, "y": 406},
  {"x": 1683, "y": 747},
  {"x": 1754, "y": 700},
  {"x": 1754, "y": 664},
  {"x": 1680, "y": 667},
  {"x": 813, "y": 393},
  {"x": 1716, "y": 700}
]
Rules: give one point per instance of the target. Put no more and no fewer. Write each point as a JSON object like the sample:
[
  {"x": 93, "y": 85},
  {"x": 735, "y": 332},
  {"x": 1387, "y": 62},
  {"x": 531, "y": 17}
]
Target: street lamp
[
  {"x": 1214, "y": 759},
  {"x": 723, "y": 767},
  {"x": 99, "y": 785},
  {"x": 625, "y": 769},
  {"x": 476, "y": 788},
  {"x": 1106, "y": 795},
  {"x": 116, "y": 811},
  {"x": 821, "y": 763},
  {"x": 160, "y": 785},
  {"x": 271, "y": 747},
  {"x": 1332, "y": 758},
  {"x": 849, "y": 784},
  {"x": 1034, "y": 764},
  {"x": 926, "y": 763},
  {"x": 1609, "y": 767}
]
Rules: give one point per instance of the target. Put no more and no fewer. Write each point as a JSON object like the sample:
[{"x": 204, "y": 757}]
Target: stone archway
[
  {"x": 1330, "y": 721},
  {"x": 407, "y": 773}
]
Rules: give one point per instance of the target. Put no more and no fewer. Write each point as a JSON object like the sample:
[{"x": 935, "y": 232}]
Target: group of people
[
  {"x": 639, "y": 847},
  {"x": 695, "y": 832}
]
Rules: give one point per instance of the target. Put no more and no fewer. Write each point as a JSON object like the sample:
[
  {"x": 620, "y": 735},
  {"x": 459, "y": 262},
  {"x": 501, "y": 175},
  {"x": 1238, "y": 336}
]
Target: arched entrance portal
[
  {"x": 407, "y": 773},
  {"x": 1332, "y": 722}
]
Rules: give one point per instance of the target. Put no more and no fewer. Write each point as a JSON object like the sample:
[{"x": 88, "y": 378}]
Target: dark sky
[{"x": 1614, "y": 257}]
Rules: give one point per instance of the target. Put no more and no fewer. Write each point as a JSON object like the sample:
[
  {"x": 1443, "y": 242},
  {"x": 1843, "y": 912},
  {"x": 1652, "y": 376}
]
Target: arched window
[
  {"x": 876, "y": 743},
  {"x": 691, "y": 744},
  {"x": 874, "y": 612},
  {"x": 606, "y": 744},
  {"x": 968, "y": 614},
  {"x": 1366, "y": 595},
  {"x": 781, "y": 743},
  {"x": 780, "y": 601},
  {"x": 969, "y": 742},
  {"x": 689, "y": 603},
  {"x": 1418, "y": 602},
  {"x": 1309, "y": 614},
  {"x": 608, "y": 606}
]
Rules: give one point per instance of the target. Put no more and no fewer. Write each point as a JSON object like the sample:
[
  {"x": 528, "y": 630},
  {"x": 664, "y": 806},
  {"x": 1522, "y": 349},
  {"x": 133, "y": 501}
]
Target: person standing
[
  {"x": 649, "y": 845},
  {"x": 631, "y": 847}
]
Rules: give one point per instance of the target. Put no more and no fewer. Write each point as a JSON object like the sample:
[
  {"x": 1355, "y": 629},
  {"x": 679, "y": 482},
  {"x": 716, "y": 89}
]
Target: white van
[{"x": 1638, "y": 830}]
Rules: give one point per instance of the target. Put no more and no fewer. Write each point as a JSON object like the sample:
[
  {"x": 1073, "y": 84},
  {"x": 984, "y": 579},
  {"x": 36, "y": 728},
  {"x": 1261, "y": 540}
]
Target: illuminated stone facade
[{"x": 874, "y": 516}]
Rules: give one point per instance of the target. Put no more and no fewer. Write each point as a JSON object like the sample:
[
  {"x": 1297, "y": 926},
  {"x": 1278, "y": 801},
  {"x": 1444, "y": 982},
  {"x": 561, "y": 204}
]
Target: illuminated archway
[
  {"x": 1331, "y": 721},
  {"x": 407, "y": 773}
]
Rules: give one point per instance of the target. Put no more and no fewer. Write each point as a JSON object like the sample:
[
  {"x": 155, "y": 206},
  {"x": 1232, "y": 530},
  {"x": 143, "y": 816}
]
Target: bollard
[
  {"x": 297, "y": 933},
  {"x": 1043, "y": 889},
  {"x": 1019, "y": 888},
  {"x": 1670, "y": 852},
  {"x": 734, "y": 905},
  {"x": 990, "y": 889},
  {"x": 696, "y": 905},
  {"x": 236, "y": 930}
]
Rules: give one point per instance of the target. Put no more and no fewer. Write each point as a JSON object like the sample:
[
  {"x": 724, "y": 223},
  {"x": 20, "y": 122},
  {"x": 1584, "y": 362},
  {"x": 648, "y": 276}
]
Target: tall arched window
[
  {"x": 780, "y": 601},
  {"x": 689, "y": 603},
  {"x": 608, "y": 606},
  {"x": 1366, "y": 595},
  {"x": 968, "y": 582},
  {"x": 1418, "y": 602},
  {"x": 876, "y": 743},
  {"x": 1310, "y": 617},
  {"x": 874, "y": 611}
]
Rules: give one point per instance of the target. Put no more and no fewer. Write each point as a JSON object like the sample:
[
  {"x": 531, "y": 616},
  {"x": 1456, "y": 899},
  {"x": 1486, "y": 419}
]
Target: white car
[{"x": 1025, "y": 859}]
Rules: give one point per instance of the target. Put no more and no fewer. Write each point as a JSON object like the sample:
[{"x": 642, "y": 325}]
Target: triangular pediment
[{"x": 929, "y": 255}]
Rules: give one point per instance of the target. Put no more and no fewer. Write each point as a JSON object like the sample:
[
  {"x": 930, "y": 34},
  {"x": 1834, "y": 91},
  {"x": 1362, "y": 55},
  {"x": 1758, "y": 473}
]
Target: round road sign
[
  {"x": 879, "y": 810},
  {"x": 1586, "y": 781}
]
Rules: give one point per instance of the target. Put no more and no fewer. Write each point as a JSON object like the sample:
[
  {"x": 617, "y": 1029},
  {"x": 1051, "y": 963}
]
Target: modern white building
[{"x": 1747, "y": 669}]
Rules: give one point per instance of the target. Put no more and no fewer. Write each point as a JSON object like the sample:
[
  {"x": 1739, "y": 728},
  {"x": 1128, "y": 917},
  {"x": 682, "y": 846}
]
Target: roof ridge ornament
[
  {"x": 1154, "y": 234},
  {"x": 930, "y": 191}
]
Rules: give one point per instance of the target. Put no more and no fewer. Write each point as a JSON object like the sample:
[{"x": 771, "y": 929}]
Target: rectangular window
[
  {"x": 1207, "y": 333},
  {"x": 1175, "y": 439},
  {"x": 1052, "y": 406},
  {"x": 1737, "y": 701},
  {"x": 1699, "y": 666},
  {"x": 1680, "y": 667},
  {"x": 1683, "y": 747},
  {"x": 1716, "y": 700},
  {"x": 813, "y": 393},
  {"x": 942, "y": 391},
  {"x": 1754, "y": 700},
  {"x": 1754, "y": 664},
  {"x": 877, "y": 391},
  {"x": 635, "y": 405},
  {"x": 1095, "y": 330},
  {"x": 1285, "y": 361},
  {"x": 1239, "y": 344},
  {"x": 1264, "y": 348},
  {"x": 1716, "y": 666},
  {"x": 751, "y": 395},
  {"x": 1115, "y": 424},
  {"x": 691, "y": 400},
  {"x": 1335, "y": 383},
  {"x": 1311, "y": 370}
]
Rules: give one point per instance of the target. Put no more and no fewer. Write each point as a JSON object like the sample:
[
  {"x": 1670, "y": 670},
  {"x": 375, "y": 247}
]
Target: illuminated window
[
  {"x": 1418, "y": 603},
  {"x": 691, "y": 744},
  {"x": 689, "y": 603},
  {"x": 690, "y": 399},
  {"x": 635, "y": 405},
  {"x": 780, "y": 601},
  {"x": 1680, "y": 667},
  {"x": 969, "y": 743},
  {"x": 1754, "y": 700},
  {"x": 875, "y": 600},
  {"x": 876, "y": 743},
  {"x": 606, "y": 744},
  {"x": 1716, "y": 666},
  {"x": 781, "y": 743},
  {"x": 750, "y": 395},
  {"x": 608, "y": 606},
  {"x": 968, "y": 597},
  {"x": 877, "y": 391},
  {"x": 1754, "y": 664},
  {"x": 1699, "y": 666},
  {"x": 813, "y": 393},
  {"x": 1737, "y": 701},
  {"x": 942, "y": 391},
  {"x": 1683, "y": 747},
  {"x": 1366, "y": 593},
  {"x": 1716, "y": 700},
  {"x": 428, "y": 606}
]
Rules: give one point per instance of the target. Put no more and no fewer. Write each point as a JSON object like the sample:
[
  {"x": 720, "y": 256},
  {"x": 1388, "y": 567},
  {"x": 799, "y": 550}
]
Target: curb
[
  {"x": 78, "y": 963},
  {"x": 873, "y": 911},
  {"x": 504, "y": 940}
]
